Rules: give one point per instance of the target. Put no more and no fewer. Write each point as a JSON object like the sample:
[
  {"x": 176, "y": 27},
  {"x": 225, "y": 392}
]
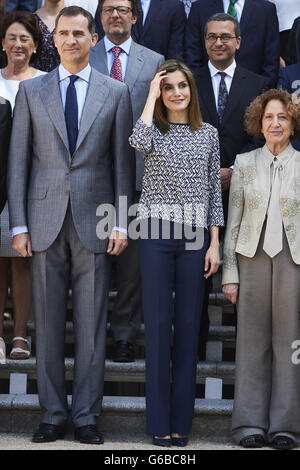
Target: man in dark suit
[
  {"x": 5, "y": 127},
  {"x": 138, "y": 66},
  {"x": 69, "y": 163},
  {"x": 259, "y": 49},
  {"x": 160, "y": 27},
  {"x": 289, "y": 80},
  {"x": 223, "y": 101}
]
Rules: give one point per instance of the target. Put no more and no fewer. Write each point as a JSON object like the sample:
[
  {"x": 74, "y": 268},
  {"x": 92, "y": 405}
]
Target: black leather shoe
[
  {"x": 88, "y": 435},
  {"x": 283, "y": 443},
  {"x": 161, "y": 441},
  {"x": 124, "y": 352},
  {"x": 180, "y": 441},
  {"x": 254, "y": 441},
  {"x": 48, "y": 433}
]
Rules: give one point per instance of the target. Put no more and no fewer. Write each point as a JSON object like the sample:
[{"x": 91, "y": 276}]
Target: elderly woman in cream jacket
[{"x": 261, "y": 273}]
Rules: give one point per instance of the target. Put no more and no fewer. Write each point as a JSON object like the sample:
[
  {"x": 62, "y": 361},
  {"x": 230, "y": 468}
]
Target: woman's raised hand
[{"x": 156, "y": 84}]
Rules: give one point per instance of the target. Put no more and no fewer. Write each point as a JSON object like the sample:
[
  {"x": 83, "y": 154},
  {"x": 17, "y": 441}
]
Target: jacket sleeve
[
  {"x": 270, "y": 66},
  {"x": 19, "y": 160},
  {"x": 5, "y": 129},
  {"x": 230, "y": 273}
]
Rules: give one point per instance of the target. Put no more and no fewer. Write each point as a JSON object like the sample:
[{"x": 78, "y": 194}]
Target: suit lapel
[
  {"x": 216, "y": 6},
  {"x": 236, "y": 90},
  {"x": 99, "y": 59},
  {"x": 246, "y": 14},
  {"x": 134, "y": 65},
  {"x": 207, "y": 95},
  {"x": 95, "y": 99},
  {"x": 51, "y": 98},
  {"x": 152, "y": 14}
]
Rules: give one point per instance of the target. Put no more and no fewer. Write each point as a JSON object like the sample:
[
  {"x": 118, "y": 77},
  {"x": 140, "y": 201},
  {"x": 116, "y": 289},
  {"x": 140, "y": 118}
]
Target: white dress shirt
[
  {"x": 145, "y": 7},
  {"x": 216, "y": 78},
  {"x": 125, "y": 46},
  {"x": 239, "y": 5}
]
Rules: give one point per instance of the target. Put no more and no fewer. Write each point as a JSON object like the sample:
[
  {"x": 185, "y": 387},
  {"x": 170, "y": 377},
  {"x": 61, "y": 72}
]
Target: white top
[
  {"x": 216, "y": 78},
  {"x": 287, "y": 12},
  {"x": 89, "y": 5},
  {"x": 9, "y": 88}
]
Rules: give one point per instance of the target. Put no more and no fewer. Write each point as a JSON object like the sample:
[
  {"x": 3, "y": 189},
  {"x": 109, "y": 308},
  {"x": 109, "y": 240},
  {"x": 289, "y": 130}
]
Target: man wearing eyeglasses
[
  {"x": 160, "y": 26},
  {"x": 122, "y": 58},
  {"x": 259, "y": 49},
  {"x": 225, "y": 90}
]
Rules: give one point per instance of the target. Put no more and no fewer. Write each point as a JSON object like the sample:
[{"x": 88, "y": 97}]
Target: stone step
[
  {"x": 216, "y": 332},
  {"x": 122, "y": 372},
  {"x": 212, "y": 418},
  {"x": 215, "y": 298}
]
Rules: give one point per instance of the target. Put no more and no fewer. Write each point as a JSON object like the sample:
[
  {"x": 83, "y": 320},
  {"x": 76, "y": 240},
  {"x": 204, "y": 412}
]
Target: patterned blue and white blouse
[{"x": 181, "y": 180}]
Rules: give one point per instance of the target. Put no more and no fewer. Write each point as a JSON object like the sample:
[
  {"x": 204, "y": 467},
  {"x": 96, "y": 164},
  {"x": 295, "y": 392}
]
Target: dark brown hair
[
  {"x": 30, "y": 23},
  {"x": 194, "y": 114},
  {"x": 255, "y": 111},
  {"x": 75, "y": 10}
]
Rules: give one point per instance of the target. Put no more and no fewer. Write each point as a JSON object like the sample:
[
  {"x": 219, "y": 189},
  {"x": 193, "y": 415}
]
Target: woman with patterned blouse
[
  {"x": 261, "y": 273},
  {"x": 48, "y": 57},
  {"x": 181, "y": 198}
]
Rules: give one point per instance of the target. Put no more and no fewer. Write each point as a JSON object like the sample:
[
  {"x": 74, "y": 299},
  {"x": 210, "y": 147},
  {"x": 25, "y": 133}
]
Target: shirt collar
[
  {"x": 229, "y": 71},
  {"x": 281, "y": 159},
  {"x": 84, "y": 74},
  {"x": 125, "y": 46}
]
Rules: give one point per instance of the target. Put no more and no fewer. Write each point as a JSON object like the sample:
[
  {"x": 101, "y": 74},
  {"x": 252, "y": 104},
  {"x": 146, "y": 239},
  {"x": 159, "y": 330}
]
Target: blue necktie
[
  {"x": 71, "y": 114},
  {"x": 223, "y": 96}
]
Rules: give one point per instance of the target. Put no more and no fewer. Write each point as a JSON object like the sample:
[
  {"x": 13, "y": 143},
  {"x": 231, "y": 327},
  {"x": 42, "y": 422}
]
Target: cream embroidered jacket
[{"x": 248, "y": 204}]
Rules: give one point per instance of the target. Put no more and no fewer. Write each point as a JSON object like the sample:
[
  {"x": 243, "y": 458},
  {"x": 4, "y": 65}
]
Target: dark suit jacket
[
  {"x": 259, "y": 49},
  {"x": 5, "y": 128},
  {"x": 289, "y": 80},
  {"x": 163, "y": 31},
  {"x": 245, "y": 86},
  {"x": 294, "y": 43}
]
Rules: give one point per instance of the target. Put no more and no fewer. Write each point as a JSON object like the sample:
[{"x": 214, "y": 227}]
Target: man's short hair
[
  {"x": 225, "y": 17},
  {"x": 136, "y": 7},
  {"x": 75, "y": 10}
]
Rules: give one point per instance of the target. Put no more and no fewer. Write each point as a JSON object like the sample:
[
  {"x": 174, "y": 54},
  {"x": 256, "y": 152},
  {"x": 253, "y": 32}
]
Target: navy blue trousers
[{"x": 171, "y": 358}]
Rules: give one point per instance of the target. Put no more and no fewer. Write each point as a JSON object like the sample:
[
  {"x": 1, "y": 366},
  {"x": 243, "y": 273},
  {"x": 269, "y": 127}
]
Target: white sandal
[
  {"x": 19, "y": 353},
  {"x": 2, "y": 351}
]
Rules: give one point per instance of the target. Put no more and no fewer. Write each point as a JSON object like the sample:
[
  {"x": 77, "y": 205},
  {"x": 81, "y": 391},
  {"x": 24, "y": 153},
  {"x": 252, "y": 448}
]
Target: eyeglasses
[
  {"x": 108, "y": 11},
  {"x": 212, "y": 38}
]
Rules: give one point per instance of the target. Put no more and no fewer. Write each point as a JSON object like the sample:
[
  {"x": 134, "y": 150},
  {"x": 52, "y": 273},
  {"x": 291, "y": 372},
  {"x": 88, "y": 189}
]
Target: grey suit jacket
[
  {"x": 141, "y": 68},
  {"x": 42, "y": 175}
]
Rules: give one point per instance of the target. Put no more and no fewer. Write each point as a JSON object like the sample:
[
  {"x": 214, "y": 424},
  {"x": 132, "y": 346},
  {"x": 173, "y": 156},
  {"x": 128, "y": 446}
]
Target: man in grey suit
[
  {"x": 136, "y": 65},
  {"x": 69, "y": 155}
]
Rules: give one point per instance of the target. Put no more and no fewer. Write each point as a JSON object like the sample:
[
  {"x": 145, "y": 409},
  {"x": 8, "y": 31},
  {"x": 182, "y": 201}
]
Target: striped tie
[{"x": 231, "y": 9}]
